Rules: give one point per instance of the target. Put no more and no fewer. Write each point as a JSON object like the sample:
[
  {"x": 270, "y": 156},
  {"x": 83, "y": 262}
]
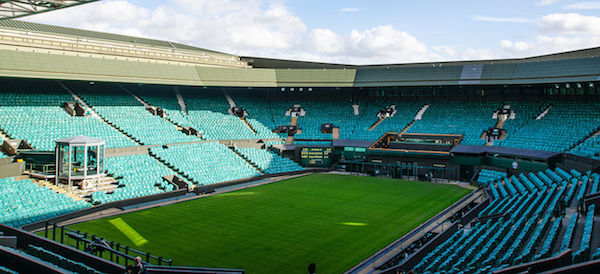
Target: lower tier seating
[
  {"x": 530, "y": 230},
  {"x": 205, "y": 163},
  {"x": 138, "y": 175},
  {"x": 24, "y": 202},
  {"x": 59, "y": 261},
  {"x": 268, "y": 161}
]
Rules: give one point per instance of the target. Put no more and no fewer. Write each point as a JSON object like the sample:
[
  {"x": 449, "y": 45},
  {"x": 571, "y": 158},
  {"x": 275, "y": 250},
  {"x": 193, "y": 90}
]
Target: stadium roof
[
  {"x": 81, "y": 33},
  {"x": 53, "y": 52},
  {"x": 20, "y": 8},
  {"x": 260, "y": 62}
]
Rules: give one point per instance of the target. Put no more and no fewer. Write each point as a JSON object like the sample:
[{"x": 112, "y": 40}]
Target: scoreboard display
[{"x": 316, "y": 156}]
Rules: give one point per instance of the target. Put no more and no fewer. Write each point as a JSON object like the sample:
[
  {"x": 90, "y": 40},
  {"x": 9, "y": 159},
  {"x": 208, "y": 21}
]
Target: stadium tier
[
  {"x": 205, "y": 163},
  {"x": 139, "y": 175},
  {"x": 468, "y": 119},
  {"x": 526, "y": 216},
  {"x": 20, "y": 202},
  {"x": 268, "y": 161},
  {"x": 33, "y": 112}
]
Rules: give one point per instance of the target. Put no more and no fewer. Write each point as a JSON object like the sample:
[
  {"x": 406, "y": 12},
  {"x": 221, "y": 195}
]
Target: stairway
[
  {"x": 418, "y": 116},
  {"x": 420, "y": 113},
  {"x": 294, "y": 121},
  {"x": 596, "y": 132},
  {"x": 80, "y": 101},
  {"x": 3, "y": 136},
  {"x": 180, "y": 100},
  {"x": 248, "y": 124},
  {"x": 247, "y": 161},
  {"x": 356, "y": 110},
  {"x": 93, "y": 113},
  {"x": 500, "y": 123},
  {"x": 546, "y": 110},
  {"x": 229, "y": 100},
  {"x": 335, "y": 133},
  {"x": 57, "y": 189},
  {"x": 374, "y": 125},
  {"x": 134, "y": 95},
  {"x": 289, "y": 140},
  {"x": 408, "y": 126}
]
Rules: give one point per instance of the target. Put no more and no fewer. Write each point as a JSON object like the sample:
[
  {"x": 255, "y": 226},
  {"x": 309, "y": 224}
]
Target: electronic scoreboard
[{"x": 316, "y": 156}]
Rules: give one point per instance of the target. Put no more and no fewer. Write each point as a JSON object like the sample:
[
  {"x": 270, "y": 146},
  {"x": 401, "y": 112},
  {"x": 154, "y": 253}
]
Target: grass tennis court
[{"x": 334, "y": 221}]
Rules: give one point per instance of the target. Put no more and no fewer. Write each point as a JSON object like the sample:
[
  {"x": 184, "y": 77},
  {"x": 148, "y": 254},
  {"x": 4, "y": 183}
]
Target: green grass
[{"x": 334, "y": 221}]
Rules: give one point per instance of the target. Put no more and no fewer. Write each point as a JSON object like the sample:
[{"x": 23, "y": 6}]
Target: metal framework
[{"x": 10, "y": 9}]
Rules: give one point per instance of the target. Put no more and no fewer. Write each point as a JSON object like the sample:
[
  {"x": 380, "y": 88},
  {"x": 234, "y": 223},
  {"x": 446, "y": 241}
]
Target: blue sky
[{"x": 358, "y": 32}]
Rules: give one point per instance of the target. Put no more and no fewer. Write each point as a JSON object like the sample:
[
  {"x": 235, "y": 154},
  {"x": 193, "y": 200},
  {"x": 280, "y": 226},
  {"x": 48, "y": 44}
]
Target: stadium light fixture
[
  {"x": 591, "y": 84},
  {"x": 578, "y": 85},
  {"x": 567, "y": 85}
]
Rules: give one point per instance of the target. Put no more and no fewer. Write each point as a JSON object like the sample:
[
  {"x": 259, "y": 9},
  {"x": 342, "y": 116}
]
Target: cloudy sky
[{"x": 350, "y": 31}]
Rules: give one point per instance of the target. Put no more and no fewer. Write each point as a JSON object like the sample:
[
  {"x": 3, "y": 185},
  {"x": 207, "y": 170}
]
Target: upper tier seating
[
  {"x": 126, "y": 113},
  {"x": 138, "y": 175},
  {"x": 468, "y": 118},
  {"x": 34, "y": 113},
  {"x": 23, "y": 202},
  {"x": 207, "y": 112},
  {"x": 268, "y": 161},
  {"x": 564, "y": 125},
  {"x": 405, "y": 114},
  {"x": 205, "y": 163}
]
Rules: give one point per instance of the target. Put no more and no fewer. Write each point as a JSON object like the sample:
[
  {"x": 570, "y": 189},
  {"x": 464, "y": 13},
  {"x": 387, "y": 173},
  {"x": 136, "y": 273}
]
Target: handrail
[{"x": 96, "y": 244}]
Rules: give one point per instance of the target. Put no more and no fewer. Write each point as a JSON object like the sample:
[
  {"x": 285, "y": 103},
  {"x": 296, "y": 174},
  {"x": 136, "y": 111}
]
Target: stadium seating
[
  {"x": 125, "y": 113},
  {"x": 583, "y": 253},
  {"x": 468, "y": 118},
  {"x": 528, "y": 232},
  {"x": 268, "y": 161},
  {"x": 20, "y": 202},
  {"x": 34, "y": 113},
  {"x": 138, "y": 175},
  {"x": 60, "y": 261},
  {"x": 579, "y": 119},
  {"x": 5, "y": 270},
  {"x": 205, "y": 163}
]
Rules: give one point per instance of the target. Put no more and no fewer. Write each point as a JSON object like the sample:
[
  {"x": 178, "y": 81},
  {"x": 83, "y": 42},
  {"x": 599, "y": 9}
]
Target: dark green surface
[{"x": 282, "y": 227}]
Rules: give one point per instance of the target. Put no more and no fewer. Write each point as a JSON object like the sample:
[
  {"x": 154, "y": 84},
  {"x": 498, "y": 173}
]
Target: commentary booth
[{"x": 79, "y": 159}]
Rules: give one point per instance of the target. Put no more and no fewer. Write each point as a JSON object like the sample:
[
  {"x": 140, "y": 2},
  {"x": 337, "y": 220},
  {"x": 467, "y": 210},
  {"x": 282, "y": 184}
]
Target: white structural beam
[{"x": 18, "y": 8}]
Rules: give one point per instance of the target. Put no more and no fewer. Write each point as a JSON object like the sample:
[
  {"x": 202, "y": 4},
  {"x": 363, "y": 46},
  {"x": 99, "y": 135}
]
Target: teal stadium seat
[{"x": 20, "y": 203}]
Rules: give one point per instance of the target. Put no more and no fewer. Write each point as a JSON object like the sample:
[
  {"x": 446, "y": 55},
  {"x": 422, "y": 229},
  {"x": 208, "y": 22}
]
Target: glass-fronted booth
[{"x": 79, "y": 158}]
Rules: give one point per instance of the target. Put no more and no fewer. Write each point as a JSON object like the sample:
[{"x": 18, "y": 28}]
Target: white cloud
[
  {"x": 569, "y": 23},
  {"x": 502, "y": 19},
  {"x": 545, "y": 2},
  {"x": 557, "y": 32},
  {"x": 268, "y": 28},
  {"x": 583, "y": 6},
  {"x": 349, "y": 9}
]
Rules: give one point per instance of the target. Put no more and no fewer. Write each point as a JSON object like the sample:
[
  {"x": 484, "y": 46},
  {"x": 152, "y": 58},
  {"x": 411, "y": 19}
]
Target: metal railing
[
  {"x": 118, "y": 253},
  {"x": 46, "y": 169}
]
